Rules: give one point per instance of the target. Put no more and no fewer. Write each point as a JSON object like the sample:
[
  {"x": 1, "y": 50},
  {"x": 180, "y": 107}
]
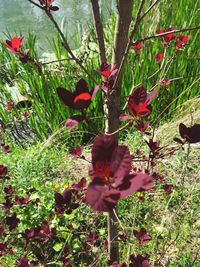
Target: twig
[
  {"x": 55, "y": 61},
  {"x": 120, "y": 129},
  {"x": 148, "y": 78},
  {"x": 148, "y": 10},
  {"x": 32, "y": 2},
  {"x": 65, "y": 43},
  {"x": 165, "y": 33},
  {"x": 164, "y": 110}
]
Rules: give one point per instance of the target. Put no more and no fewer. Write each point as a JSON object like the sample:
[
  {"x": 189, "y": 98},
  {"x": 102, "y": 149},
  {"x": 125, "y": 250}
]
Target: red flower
[
  {"x": 181, "y": 41},
  {"x": 80, "y": 99},
  {"x": 137, "y": 47},
  {"x": 15, "y": 45},
  {"x": 110, "y": 174},
  {"x": 139, "y": 102},
  {"x": 159, "y": 57}
]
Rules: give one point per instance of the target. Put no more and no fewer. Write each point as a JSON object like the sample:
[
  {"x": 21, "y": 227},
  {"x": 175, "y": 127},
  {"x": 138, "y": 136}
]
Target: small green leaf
[{"x": 57, "y": 247}]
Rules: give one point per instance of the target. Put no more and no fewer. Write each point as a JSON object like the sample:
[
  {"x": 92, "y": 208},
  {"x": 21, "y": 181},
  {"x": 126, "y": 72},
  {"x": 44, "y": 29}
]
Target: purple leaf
[
  {"x": 100, "y": 198},
  {"x": 120, "y": 163},
  {"x": 125, "y": 117},
  {"x": 103, "y": 148},
  {"x": 95, "y": 90},
  {"x": 66, "y": 96},
  {"x": 72, "y": 122},
  {"x": 134, "y": 183},
  {"x": 191, "y": 134},
  {"x": 151, "y": 97}
]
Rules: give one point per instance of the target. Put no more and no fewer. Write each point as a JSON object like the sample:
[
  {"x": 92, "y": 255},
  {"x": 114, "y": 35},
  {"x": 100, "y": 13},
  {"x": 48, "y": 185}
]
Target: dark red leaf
[
  {"x": 137, "y": 47},
  {"x": 139, "y": 102},
  {"x": 191, "y": 134},
  {"x": 139, "y": 261},
  {"x": 66, "y": 96},
  {"x": 3, "y": 171},
  {"x": 142, "y": 236},
  {"x": 54, "y": 8},
  {"x": 125, "y": 117},
  {"x": 159, "y": 57},
  {"x": 76, "y": 152},
  {"x": 103, "y": 148},
  {"x": 141, "y": 126},
  {"x": 74, "y": 121},
  {"x": 100, "y": 198},
  {"x": 120, "y": 164},
  {"x": 168, "y": 188},
  {"x": 134, "y": 183}
]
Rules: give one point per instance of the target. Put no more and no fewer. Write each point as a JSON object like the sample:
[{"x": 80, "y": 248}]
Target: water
[{"x": 74, "y": 17}]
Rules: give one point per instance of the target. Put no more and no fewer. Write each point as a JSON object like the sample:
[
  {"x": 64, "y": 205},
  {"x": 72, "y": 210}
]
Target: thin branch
[
  {"x": 184, "y": 77},
  {"x": 99, "y": 30},
  {"x": 176, "y": 79},
  {"x": 165, "y": 33},
  {"x": 32, "y": 2},
  {"x": 120, "y": 129},
  {"x": 55, "y": 61},
  {"x": 65, "y": 43},
  {"x": 148, "y": 10},
  {"x": 148, "y": 78}
]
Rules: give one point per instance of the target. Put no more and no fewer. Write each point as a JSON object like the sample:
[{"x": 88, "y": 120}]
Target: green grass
[{"x": 171, "y": 220}]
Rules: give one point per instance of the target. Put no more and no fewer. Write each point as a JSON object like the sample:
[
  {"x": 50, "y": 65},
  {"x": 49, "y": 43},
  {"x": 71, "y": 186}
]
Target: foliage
[{"x": 60, "y": 224}]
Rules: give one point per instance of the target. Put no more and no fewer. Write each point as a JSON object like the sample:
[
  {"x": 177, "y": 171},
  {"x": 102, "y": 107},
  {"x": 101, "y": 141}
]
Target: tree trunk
[{"x": 111, "y": 106}]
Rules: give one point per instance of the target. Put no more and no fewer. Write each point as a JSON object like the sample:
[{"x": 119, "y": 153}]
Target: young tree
[{"x": 110, "y": 170}]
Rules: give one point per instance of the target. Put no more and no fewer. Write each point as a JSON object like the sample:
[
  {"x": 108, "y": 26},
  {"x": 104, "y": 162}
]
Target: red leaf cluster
[
  {"x": 137, "y": 46},
  {"x": 79, "y": 99},
  {"x": 111, "y": 175},
  {"x": 109, "y": 73},
  {"x": 40, "y": 233},
  {"x": 142, "y": 236},
  {"x": 139, "y": 103},
  {"x": 47, "y": 4}
]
